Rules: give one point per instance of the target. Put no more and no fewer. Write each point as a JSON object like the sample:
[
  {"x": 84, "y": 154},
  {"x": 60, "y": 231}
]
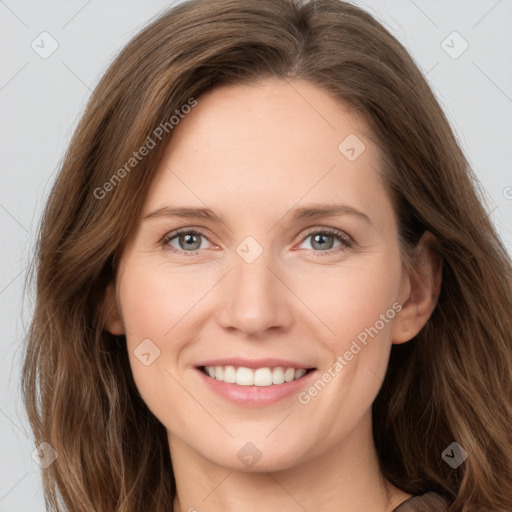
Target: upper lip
[{"x": 253, "y": 363}]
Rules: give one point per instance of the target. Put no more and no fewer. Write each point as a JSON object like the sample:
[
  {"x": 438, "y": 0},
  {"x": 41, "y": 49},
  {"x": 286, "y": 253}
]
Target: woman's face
[{"x": 272, "y": 284}]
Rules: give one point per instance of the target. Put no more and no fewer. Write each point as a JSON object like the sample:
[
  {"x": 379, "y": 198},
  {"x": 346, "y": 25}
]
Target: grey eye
[
  {"x": 322, "y": 241},
  {"x": 187, "y": 241}
]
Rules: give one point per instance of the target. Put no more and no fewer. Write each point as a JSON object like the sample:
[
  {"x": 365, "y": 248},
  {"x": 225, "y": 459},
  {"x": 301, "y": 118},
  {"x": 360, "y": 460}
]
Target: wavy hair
[{"x": 452, "y": 382}]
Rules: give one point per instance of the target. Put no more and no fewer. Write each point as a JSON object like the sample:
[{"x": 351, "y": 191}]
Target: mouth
[
  {"x": 255, "y": 382},
  {"x": 257, "y": 377}
]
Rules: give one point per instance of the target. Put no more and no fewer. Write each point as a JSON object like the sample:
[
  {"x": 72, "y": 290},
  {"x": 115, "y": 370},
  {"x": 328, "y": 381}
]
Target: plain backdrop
[{"x": 42, "y": 97}]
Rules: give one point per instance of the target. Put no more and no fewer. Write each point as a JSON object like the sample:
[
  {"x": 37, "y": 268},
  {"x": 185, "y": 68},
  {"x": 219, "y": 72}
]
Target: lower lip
[{"x": 256, "y": 396}]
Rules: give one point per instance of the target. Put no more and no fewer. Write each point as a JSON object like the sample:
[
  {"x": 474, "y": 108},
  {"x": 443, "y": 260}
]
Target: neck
[{"x": 345, "y": 478}]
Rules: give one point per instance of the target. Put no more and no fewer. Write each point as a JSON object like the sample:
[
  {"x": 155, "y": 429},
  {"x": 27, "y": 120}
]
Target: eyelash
[{"x": 346, "y": 240}]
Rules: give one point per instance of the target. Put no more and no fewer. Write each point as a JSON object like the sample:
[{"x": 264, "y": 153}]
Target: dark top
[{"x": 428, "y": 502}]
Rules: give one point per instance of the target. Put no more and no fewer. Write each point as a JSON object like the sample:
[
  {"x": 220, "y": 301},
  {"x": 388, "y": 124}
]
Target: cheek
[
  {"x": 358, "y": 306},
  {"x": 155, "y": 298},
  {"x": 157, "y": 303},
  {"x": 352, "y": 297},
  {"x": 152, "y": 305}
]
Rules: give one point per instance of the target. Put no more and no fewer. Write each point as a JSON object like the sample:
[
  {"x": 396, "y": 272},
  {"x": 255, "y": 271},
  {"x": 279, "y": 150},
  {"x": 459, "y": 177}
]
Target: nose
[{"x": 256, "y": 298}]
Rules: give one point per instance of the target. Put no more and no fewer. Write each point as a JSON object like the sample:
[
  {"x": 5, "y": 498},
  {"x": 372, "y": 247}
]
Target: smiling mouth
[{"x": 243, "y": 376}]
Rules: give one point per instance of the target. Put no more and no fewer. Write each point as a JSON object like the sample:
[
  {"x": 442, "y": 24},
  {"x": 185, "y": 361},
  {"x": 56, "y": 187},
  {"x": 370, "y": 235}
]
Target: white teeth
[
  {"x": 289, "y": 374},
  {"x": 300, "y": 373},
  {"x": 263, "y": 377},
  {"x": 277, "y": 376},
  {"x": 229, "y": 374},
  {"x": 218, "y": 370},
  {"x": 243, "y": 376}
]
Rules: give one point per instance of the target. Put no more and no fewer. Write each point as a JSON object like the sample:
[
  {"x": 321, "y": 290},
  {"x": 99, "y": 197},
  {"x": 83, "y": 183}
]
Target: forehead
[{"x": 265, "y": 147}]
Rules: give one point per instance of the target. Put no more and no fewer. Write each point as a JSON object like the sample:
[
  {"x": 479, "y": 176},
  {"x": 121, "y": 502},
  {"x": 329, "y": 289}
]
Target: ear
[
  {"x": 419, "y": 291},
  {"x": 114, "y": 322}
]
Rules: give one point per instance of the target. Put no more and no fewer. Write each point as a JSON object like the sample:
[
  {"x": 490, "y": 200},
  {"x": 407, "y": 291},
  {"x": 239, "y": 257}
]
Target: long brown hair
[{"x": 451, "y": 383}]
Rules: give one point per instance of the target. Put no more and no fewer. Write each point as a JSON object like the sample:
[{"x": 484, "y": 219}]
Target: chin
[{"x": 257, "y": 457}]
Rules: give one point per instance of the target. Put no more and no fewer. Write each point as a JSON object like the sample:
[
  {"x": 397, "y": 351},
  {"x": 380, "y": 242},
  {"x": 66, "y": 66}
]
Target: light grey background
[{"x": 41, "y": 100}]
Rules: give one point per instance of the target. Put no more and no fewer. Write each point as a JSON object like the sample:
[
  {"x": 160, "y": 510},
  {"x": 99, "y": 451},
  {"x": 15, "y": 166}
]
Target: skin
[{"x": 252, "y": 154}]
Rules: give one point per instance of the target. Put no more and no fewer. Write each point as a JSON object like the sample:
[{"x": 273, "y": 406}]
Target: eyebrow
[{"x": 299, "y": 214}]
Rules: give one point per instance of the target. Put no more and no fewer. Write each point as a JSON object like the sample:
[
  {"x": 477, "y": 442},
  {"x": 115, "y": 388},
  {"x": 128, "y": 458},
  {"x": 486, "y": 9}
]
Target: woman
[{"x": 338, "y": 334}]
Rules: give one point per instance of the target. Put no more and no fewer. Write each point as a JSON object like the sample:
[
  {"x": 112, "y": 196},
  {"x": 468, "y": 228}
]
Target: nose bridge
[{"x": 256, "y": 297}]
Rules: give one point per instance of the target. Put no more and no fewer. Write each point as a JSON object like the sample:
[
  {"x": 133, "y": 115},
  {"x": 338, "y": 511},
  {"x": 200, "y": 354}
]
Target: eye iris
[
  {"x": 188, "y": 238},
  {"x": 322, "y": 236}
]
